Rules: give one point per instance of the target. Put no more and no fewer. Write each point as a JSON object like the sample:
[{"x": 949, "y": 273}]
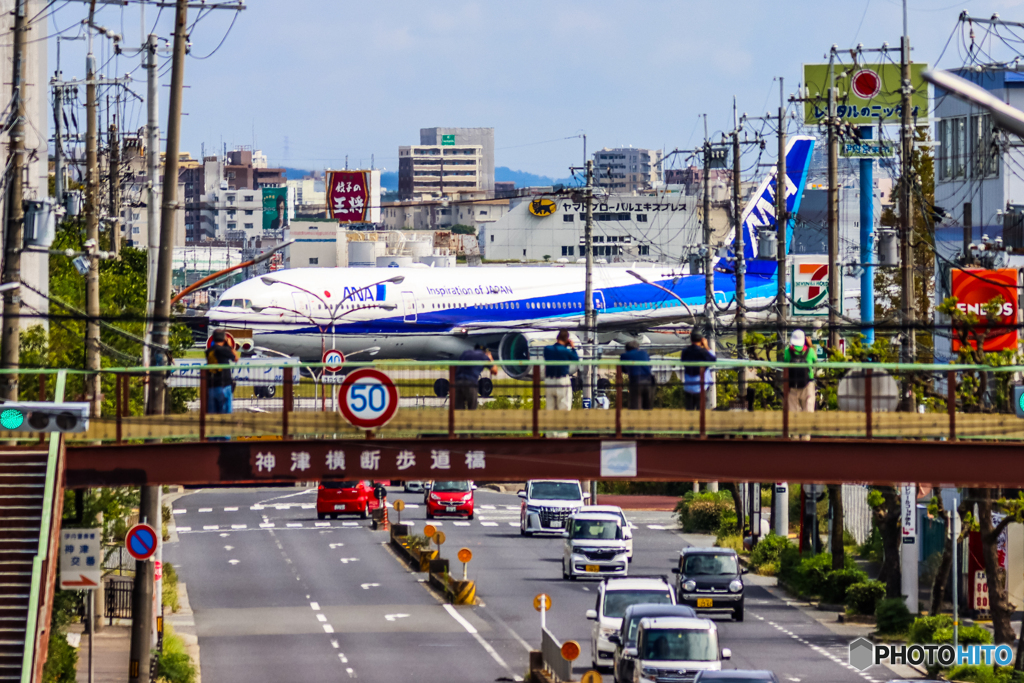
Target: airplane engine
[{"x": 522, "y": 346}]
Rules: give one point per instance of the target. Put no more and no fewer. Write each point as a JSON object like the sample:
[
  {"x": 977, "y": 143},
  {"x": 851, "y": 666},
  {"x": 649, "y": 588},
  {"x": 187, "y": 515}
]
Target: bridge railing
[{"x": 275, "y": 399}]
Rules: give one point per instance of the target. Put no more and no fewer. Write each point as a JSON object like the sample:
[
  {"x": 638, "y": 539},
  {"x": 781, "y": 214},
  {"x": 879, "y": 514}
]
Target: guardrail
[
  {"x": 551, "y": 652},
  {"x": 296, "y": 402}
]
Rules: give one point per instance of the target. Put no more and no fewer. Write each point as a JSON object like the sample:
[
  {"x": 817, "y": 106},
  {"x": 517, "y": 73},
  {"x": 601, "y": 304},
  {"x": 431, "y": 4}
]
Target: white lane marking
[
  {"x": 267, "y": 525},
  {"x": 393, "y": 617},
  {"x": 346, "y": 560},
  {"x": 488, "y": 524},
  {"x": 283, "y": 507},
  {"x": 483, "y": 643},
  {"x": 321, "y": 524},
  {"x": 230, "y": 509},
  {"x": 229, "y": 547},
  {"x": 184, "y": 528},
  {"x": 368, "y": 586},
  {"x": 293, "y": 525},
  {"x": 233, "y": 562},
  {"x": 350, "y": 523},
  {"x": 336, "y": 545},
  {"x": 308, "y": 506},
  {"x": 656, "y": 527},
  {"x": 206, "y": 509},
  {"x": 290, "y": 495},
  {"x": 487, "y": 507},
  {"x": 224, "y": 535},
  {"x": 461, "y": 523},
  {"x": 437, "y": 523},
  {"x": 315, "y": 606},
  {"x": 334, "y": 644},
  {"x": 239, "y": 526},
  {"x": 350, "y": 672},
  {"x": 213, "y": 527},
  {"x": 517, "y": 508},
  {"x": 321, "y": 617},
  {"x": 513, "y": 523},
  {"x": 328, "y": 628},
  {"x": 178, "y": 512},
  {"x": 412, "y": 506},
  {"x": 256, "y": 507}
]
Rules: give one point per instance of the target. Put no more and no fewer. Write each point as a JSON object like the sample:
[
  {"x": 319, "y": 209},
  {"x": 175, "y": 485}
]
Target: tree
[
  {"x": 946, "y": 562},
  {"x": 999, "y": 601},
  {"x": 460, "y": 229},
  {"x": 885, "y": 511}
]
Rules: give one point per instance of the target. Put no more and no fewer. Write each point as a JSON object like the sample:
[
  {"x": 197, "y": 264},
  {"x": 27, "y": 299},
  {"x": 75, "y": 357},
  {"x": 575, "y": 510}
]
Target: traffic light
[
  {"x": 1018, "y": 401},
  {"x": 41, "y": 416}
]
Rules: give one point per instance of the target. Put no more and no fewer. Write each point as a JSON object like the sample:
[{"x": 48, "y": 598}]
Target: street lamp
[{"x": 644, "y": 280}]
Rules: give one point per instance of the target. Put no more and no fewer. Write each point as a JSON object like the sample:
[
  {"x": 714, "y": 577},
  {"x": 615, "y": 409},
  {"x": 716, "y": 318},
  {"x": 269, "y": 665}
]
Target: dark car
[
  {"x": 737, "y": 676},
  {"x": 710, "y": 579},
  {"x": 622, "y": 666}
]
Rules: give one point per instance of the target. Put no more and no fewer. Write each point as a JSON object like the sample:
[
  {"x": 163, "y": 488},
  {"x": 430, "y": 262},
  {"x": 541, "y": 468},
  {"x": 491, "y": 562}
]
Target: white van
[
  {"x": 675, "y": 649},
  {"x": 595, "y": 546}
]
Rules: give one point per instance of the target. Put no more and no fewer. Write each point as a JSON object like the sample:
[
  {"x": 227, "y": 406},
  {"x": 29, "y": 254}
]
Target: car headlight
[
  {"x": 434, "y": 496},
  {"x": 467, "y": 497},
  {"x": 648, "y": 672},
  {"x": 735, "y": 585},
  {"x": 532, "y": 508},
  {"x": 605, "y": 631},
  {"x": 690, "y": 586}
]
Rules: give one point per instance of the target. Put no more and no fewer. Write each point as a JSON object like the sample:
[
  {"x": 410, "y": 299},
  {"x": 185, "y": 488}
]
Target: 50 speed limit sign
[{"x": 368, "y": 398}]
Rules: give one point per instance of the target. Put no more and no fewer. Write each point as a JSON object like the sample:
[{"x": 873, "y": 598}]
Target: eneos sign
[{"x": 974, "y": 288}]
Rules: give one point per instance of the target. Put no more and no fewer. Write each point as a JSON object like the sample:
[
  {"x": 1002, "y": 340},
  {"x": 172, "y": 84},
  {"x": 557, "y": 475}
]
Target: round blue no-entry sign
[{"x": 140, "y": 541}]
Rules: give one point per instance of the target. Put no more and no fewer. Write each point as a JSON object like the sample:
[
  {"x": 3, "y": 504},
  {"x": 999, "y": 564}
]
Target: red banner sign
[
  {"x": 976, "y": 287},
  {"x": 348, "y": 195}
]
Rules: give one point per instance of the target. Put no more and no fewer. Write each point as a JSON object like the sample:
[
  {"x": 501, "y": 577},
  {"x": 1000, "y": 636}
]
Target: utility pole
[
  {"x": 149, "y": 506},
  {"x": 92, "y": 230},
  {"x": 115, "y": 187},
  {"x": 907, "y": 203},
  {"x": 781, "y": 223},
  {"x": 589, "y": 314},
  {"x": 833, "y": 210},
  {"x": 867, "y": 239},
  {"x": 153, "y": 192},
  {"x": 58, "y": 140},
  {"x": 740, "y": 265},
  {"x": 709, "y": 274},
  {"x": 11, "y": 338}
]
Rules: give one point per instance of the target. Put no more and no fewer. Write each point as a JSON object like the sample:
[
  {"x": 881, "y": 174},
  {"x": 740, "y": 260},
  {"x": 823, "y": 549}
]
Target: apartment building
[
  {"x": 446, "y": 160},
  {"x": 625, "y": 170}
]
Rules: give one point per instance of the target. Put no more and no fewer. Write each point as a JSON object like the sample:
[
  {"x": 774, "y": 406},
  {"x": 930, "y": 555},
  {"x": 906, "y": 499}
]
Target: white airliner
[{"x": 436, "y": 314}]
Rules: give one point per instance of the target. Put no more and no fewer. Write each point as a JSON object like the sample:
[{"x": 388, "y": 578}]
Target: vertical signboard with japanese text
[
  {"x": 354, "y": 196},
  {"x": 979, "y": 292},
  {"x": 276, "y": 208},
  {"x": 868, "y": 93},
  {"x": 81, "y": 559},
  {"x": 908, "y": 512}
]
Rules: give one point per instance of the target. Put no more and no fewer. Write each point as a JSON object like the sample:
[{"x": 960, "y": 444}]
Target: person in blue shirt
[
  {"x": 467, "y": 377},
  {"x": 557, "y": 387},
  {"x": 696, "y": 351},
  {"x": 641, "y": 381}
]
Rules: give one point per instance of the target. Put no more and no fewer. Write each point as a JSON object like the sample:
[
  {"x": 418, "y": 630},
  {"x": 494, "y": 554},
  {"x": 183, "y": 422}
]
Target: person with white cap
[{"x": 801, "y": 380}]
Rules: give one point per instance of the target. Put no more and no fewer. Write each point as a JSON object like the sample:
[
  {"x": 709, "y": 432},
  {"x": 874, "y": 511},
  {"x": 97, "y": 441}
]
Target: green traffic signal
[{"x": 12, "y": 418}]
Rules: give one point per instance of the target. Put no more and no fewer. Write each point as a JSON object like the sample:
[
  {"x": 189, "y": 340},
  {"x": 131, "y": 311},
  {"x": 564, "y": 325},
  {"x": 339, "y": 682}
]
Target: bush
[
  {"x": 727, "y": 526},
  {"x": 837, "y": 582},
  {"x": 808, "y": 576},
  {"x": 939, "y": 629},
  {"x": 863, "y": 597},
  {"x": 871, "y": 549},
  {"x": 768, "y": 551},
  {"x": 982, "y": 673},
  {"x": 61, "y": 658},
  {"x": 735, "y": 542},
  {"x": 892, "y": 616},
  {"x": 175, "y": 668},
  {"x": 170, "y": 587},
  {"x": 702, "y": 512}
]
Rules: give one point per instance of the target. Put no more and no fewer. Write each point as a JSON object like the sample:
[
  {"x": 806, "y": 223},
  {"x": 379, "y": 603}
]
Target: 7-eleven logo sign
[{"x": 810, "y": 289}]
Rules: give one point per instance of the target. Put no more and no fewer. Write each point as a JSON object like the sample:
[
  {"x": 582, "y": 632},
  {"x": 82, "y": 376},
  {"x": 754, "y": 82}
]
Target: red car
[
  {"x": 450, "y": 498},
  {"x": 345, "y": 497}
]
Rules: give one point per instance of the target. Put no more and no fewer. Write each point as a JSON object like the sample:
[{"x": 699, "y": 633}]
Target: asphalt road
[{"x": 303, "y": 600}]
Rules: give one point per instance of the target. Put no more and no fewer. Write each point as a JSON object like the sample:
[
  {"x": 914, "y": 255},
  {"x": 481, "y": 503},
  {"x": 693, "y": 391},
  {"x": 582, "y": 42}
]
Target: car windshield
[
  {"x": 709, "y": 565},
  {"x": 596, "y": 529},
  {"x": 339, "y": 484},
  {"x": 555, "y": 490},
  {"x": 691, "y": 645},
  {"x": 616, "y": 602},
  {"x": 451, "y": 486}
]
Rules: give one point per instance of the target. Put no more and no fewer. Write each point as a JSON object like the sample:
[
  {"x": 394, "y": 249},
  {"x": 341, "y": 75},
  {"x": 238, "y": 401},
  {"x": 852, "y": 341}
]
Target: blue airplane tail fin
[{"x": 759, "y": 213}]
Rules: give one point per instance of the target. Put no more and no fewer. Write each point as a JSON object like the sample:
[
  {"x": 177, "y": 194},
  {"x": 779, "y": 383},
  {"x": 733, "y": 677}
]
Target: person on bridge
[
  {"x": 557, "y": 387},
  {"x": 801, "y": 380},
  {"x": 641, "y": 381},
  {"x": 219, "y": 385},
  {"x": 467, "y": 377},
  {"x": 697, "y": 351}
]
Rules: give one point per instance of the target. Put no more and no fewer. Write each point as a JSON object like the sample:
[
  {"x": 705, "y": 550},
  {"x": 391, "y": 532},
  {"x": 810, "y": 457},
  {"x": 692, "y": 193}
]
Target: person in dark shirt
[
  {"x": 467, "y": 377},
  {"x": 557, "y": 387},
  {"x": 219, "y": 385},
  {"x": 641, "y": 381},
  {"x": 696, "y": 351}
]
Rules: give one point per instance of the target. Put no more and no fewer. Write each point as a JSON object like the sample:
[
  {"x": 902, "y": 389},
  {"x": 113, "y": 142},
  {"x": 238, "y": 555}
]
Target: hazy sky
[{"x": 312, "y": 81}]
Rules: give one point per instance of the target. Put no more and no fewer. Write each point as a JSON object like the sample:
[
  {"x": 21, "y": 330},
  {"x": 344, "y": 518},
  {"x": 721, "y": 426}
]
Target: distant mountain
[
  {"x": 295, "y": 173},
  {"x": 504, "y": 174}
]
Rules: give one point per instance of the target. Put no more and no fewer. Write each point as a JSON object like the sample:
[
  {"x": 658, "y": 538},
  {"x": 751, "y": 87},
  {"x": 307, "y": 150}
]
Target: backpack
[{"x": 799, "y": 377}]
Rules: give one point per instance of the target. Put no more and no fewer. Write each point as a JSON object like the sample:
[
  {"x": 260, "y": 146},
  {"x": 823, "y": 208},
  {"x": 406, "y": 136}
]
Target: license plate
[
  {"x": 451, "y": 509},
  {"x": 557, "y": 524},
  {"x": 339, "y": 507},
  {"x": 705, "y": 602},
  {"x": 592, "y": 568}
]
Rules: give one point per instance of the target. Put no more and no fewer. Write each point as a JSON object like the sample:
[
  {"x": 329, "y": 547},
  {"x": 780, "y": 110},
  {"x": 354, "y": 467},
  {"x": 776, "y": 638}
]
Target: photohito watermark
[{"x": 864, "y": 654}]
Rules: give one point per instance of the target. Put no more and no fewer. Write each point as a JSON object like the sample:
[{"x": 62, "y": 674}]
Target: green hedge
[
  {"x": 837, "y": 582},
  {"x": 768, "y": 551},
  {"x": 939, "y": 629},
  {"x": 809, "y": 576},
  {"x": 703, "y": 512},
  {"x": 983, "y": 673},
  {"x": 892, "y": 616},
  {"x": 862, "y": 598}
]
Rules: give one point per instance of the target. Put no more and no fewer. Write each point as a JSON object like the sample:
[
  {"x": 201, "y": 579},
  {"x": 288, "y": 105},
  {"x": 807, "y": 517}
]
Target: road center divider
[{"x": 422, "y": 558}]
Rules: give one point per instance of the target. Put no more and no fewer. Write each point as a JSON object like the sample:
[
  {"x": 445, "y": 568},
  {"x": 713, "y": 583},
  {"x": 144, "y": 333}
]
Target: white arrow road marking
[
  {"x": 342, "y": 657},
  {"x": 336, "y": 545},
  {"x": 393, "y": 617},
  {"x": 229, "y": 547},
  {"x": 368, "y": 586},
  {"x": 346, "y": 560},
  {"x": 233, "y": 562}
]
